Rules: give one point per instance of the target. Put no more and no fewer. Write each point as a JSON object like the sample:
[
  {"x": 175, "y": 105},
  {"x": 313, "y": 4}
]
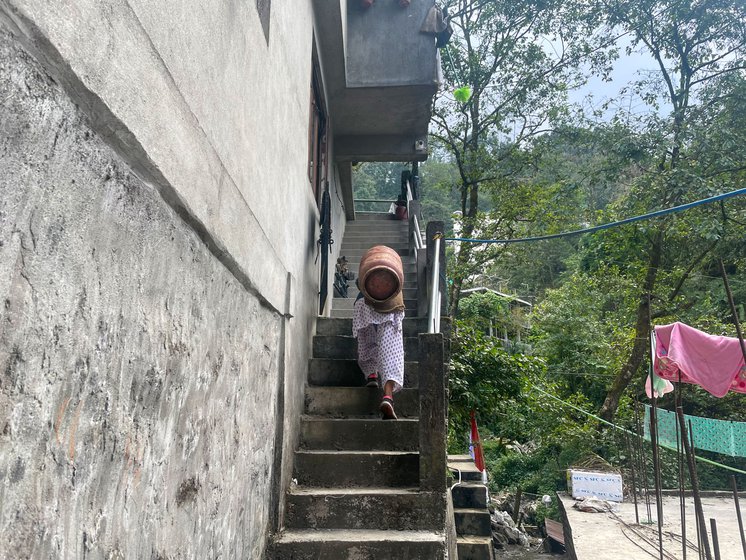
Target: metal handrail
[
  {"x": 433, "y": 315},
  {"x": 381, "y": 200},
  {"x": 417, "y": 234}
]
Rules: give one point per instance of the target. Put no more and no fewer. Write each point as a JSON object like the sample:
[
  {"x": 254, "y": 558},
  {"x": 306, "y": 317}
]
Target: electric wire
[{"x": 648, "y": 216}]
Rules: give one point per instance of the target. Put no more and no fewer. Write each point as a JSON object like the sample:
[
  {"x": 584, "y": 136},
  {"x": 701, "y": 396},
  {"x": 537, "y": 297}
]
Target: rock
[{"x": 504, "y": 530}]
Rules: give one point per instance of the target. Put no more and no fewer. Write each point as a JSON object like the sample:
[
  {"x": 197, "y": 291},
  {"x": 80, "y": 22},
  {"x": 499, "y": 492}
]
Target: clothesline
[
  {"x": 625, "y": 430},
  {"x": 727, "y": 437}
]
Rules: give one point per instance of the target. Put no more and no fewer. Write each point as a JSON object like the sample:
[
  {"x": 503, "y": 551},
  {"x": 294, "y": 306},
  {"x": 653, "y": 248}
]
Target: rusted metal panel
[{"x": 555, "y": 531}]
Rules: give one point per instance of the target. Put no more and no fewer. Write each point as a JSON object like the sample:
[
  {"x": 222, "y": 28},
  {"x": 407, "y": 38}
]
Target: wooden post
[
  {"x": 733, "y": 309},
  {"x": 695, "y": 483},
  {"x": 738, "y": 514},
  {"x": 517, "y": 505},
  {"x": 715, "y": 541},
  {"x": 656, "y": 471},
  {"x": 634, "y": 481}
]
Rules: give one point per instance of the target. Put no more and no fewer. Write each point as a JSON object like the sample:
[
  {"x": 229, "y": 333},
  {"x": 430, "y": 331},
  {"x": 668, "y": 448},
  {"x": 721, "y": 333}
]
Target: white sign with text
[{"x": 605, "y": 486}]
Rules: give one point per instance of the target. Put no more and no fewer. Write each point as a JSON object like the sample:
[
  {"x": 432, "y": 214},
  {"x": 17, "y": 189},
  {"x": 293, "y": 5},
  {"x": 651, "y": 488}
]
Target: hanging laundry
[
  {"x": 657, "y": 386},
  {"x": 713, "y": 362},
  {"x": 721, "y": 436}
]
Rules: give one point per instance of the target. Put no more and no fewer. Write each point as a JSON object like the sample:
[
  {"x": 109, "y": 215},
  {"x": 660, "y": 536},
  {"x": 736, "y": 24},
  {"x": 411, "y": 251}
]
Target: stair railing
[
  {"x": 433, "y": 312},
  {"x": 433, "y": 377},
  {"x": 431, "y": 276}
]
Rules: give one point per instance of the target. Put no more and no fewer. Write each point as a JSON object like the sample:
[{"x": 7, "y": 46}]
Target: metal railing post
[
  {"x": 434, "y": 289},
  {"x": 435, "y": 273}
]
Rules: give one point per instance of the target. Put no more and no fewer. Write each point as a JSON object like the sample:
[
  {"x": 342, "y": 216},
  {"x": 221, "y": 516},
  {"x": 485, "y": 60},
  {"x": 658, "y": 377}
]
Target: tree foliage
[{"x": 517, "y": 59}]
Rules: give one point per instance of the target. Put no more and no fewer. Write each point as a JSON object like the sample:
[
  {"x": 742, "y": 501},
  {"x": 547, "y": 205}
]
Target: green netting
[{"x": 721, "y": 436}]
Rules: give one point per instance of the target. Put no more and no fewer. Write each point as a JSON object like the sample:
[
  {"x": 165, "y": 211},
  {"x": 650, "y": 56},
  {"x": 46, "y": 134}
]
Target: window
[{"x": 317, "y": 156}]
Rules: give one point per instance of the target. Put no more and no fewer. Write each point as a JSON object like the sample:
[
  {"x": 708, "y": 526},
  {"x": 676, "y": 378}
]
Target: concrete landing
[
  {"x": 464, "y": 465},
  {"x": 604, "y": 535}
]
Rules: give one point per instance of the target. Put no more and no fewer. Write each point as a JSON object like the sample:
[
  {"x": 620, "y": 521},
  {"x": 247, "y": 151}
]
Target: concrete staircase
[
  {"x": 358, "y": 490},
  {"x": 377, "y": 229},
  {"x": 472, "y": 518}
]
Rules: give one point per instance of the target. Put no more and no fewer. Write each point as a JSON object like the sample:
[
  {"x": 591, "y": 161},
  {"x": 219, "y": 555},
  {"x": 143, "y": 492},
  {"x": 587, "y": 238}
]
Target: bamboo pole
[
  {"x": 632, "y": 460},
  {"x": 738, "y": 514},
  {"x": 695, "y": 484},
  {"x": 656, "y": 472}
]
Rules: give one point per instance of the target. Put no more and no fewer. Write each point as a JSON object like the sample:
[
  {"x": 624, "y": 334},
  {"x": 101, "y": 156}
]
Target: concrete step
[
  {"x": 348, "y": 303},
  {"x": 357, "y": 468},
  {"x": 409, "y": 292},
  {"x": 327, "y": 372},
  {"x": 472, "y": 522},
  {"x": 382, "y": 223},
  {"x": 362, "y": 245},
  {"x": 400, "y": 509},
  {"x": 345, "y": 347},
  {"x": 372, "y": 216},
  {"x": 358, "y": 402},
  {"x": 347, "y": 313},
  {"x": 331, "y": 544},
  {"x": 359, "y": 434},
  {"x": 469, "y": 495},
  {"x": 376, "y": 233},
  {"x": 464, "y": 465},
  {"x": 354, "y": 255},
  {"x": 475, "y": 548},
  {"x": 330, "y": 327},
  {"x": 384, "y": 236}
]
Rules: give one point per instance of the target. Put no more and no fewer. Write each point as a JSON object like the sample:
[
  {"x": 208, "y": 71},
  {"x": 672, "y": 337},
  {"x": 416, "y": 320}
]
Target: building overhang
[{"x": 380, "y": 74}]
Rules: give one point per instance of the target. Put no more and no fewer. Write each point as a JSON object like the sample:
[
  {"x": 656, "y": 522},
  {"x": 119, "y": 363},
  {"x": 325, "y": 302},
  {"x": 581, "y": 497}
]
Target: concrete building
[
  {"x": 516, "y": 320},
  {"x": 162, "y": 168}
]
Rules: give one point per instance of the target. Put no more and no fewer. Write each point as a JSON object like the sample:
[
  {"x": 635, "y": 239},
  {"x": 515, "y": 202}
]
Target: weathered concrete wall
[
  {"x": 138, "y": 376},
  {"x": 210, "y": 115},
  {"x": 191, "y": 94}
]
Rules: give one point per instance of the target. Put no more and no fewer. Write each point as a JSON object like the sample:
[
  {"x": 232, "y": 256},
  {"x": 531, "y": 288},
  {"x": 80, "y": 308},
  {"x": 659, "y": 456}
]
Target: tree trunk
[
  {"x": 642, "y": 334},
  {"x": 462, "y": 261}
]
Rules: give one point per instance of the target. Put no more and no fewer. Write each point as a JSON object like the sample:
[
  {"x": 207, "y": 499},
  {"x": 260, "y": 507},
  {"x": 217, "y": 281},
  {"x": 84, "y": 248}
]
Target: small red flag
[{"x": 476, "y": 443}]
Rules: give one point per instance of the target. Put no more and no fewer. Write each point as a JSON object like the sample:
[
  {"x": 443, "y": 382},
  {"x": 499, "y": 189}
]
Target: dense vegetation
[{"x": 514, "y": 158}]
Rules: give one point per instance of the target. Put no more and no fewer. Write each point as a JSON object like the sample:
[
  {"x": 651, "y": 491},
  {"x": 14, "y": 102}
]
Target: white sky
[{"x": 627, "y": 69}]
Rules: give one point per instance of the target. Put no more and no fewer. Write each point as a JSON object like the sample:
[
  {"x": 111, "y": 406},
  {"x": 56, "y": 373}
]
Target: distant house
[
  {"x": 510, "y": 326},
  {"x": 164, "y": 171}
]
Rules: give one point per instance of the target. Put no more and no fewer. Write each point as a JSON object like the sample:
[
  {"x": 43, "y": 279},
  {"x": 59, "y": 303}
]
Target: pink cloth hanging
[{"x": 713, "y": 362}]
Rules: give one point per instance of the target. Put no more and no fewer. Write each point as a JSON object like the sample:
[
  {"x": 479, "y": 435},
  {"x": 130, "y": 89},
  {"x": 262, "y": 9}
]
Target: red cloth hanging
[{"x": 476, "y": 444}]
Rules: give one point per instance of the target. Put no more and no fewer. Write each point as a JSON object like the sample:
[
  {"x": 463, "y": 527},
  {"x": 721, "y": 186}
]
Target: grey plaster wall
[
  {"x": 191, "y": 93},
  {"x": 213, "y": 116},
  {"x": 384, "y": 45},
  {"x": 139, "y": 376}
]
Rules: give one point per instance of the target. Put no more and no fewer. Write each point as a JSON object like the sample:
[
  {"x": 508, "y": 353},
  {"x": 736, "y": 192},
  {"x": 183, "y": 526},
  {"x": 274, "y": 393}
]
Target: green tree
[
  {"x": 484, "y": 377},
  {"x": 517, "y": 60},
  {"x": 696, "y": 45}
]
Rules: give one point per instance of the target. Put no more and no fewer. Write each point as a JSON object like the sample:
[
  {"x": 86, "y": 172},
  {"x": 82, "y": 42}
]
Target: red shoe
[
  {"x": 387, "y": 409},
  {"x": 372, "y": 380}
]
